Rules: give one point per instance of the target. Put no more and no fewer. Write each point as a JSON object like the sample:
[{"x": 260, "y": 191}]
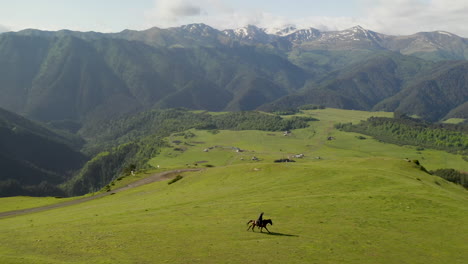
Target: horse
[{"x": 253, "y": 224}]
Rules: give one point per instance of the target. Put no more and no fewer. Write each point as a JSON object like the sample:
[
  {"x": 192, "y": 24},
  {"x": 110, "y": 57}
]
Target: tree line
[{"x": 409, "y": 131}]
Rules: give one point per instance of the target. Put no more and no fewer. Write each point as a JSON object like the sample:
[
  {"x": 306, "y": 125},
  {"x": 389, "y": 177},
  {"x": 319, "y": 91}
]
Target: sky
[{"x": 393, "y": 17}]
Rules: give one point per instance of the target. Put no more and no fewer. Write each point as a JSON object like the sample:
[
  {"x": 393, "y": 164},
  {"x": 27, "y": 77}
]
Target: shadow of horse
[
  {"x": 263, "y": 224},
  {"x": 279, "y": 234}
]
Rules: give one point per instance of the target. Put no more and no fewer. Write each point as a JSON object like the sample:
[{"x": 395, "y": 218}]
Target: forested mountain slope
[{"x": 31, "y": 154}]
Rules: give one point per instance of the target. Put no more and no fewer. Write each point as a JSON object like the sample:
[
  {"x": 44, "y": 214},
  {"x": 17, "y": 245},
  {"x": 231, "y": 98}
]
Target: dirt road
[{"x": 153, "y": 178}]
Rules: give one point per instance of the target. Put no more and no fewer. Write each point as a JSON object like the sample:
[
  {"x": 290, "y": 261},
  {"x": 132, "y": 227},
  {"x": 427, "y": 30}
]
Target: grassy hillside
[
  {"x": 362, "y": 210},
  {"x": 361, "y": 202}
]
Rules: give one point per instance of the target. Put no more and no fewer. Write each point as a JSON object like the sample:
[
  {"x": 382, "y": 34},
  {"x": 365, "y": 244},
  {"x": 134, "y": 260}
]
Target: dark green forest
[
  {"x": 452, "y": 175},
  {"x": 409, "y": 131}
]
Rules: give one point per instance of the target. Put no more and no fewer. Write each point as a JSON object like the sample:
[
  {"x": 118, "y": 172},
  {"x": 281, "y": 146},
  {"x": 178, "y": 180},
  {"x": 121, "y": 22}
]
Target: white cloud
[
  {"x": 397, "y": 17},
  {"x": 175, "y": 12},
  {"x": 410, "y": 16},
  {"x": 216, "y": 13}
]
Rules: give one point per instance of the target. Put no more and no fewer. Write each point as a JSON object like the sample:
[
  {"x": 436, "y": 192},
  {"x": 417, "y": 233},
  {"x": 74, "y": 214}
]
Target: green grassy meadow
[
  {"x": 454, "y": 120},
  {"x": 24, "y": 202},
  {"x": 311, "y": 141},
  {"x": 361, "y": 202}
]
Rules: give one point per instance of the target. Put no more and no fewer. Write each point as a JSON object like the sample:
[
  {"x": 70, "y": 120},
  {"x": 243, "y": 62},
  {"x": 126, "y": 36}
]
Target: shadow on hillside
[{"x": 278, "y": 234}]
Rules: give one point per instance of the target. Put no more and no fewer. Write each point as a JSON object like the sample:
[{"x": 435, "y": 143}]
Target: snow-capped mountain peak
[
  {"x": 248, "y": 33},
  {"x": 201, "y": 29},
  {"x": 282, "y": 31},
  {"x": 354, "y": 34}
]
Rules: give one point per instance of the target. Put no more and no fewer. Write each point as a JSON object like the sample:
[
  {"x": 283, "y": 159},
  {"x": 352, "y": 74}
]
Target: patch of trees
[
  {"x": 311, "y": 107},
  {"x": 137, "y": 126},
  {"x": 452, "y": 175},
  {"x": 408, "y": 131},
  {"x": 257, "y": 121},
  {"x": 108, "y": 166},
  {"x": 284, "y": 160},
  {"x": 288, "y": 110}
]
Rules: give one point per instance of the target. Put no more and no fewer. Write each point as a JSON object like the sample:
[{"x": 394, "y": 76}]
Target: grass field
[
  {"x": 24, "y": 202},
  {"x": 361, "y": 202},
  {"x": 454, "y": 120},
  {"x": 358, "y": 211}
]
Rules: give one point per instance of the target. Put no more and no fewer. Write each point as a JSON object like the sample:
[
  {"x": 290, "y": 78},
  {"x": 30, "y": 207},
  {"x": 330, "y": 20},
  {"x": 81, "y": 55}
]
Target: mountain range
[{"x": 76, "y": 77}]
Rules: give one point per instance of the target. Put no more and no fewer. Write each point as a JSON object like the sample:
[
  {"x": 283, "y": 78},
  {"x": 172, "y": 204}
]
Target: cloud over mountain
[
  {"x": 408, "y": 16},
  {"x": 4, "y": 28},
  {"x": 397, "y": 17},
  {"x": 170, "y": 12}
]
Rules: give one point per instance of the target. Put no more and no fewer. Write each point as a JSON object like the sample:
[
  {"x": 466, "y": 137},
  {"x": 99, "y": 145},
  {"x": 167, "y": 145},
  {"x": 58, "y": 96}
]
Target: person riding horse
[{"x": 253, "y": 223}]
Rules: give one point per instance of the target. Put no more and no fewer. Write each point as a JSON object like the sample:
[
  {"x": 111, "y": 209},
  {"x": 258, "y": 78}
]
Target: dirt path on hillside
[{"x": 153, "y": 178}]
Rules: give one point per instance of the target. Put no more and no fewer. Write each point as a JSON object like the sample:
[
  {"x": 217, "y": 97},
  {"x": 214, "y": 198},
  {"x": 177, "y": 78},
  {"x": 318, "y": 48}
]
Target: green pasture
[
  {"x": 355, "y": 210},
  {"x": 454, "y": 120},
  {"x": 312, "y": 142},
  {"x": 24, "y": 202}
]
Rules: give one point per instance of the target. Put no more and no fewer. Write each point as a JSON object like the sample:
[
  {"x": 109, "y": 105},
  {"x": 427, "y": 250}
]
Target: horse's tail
[{"x": 250, "y": 221}]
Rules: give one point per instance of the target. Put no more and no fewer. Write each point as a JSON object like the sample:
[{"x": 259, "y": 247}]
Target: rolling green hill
[{"x": 351, "y": 211}]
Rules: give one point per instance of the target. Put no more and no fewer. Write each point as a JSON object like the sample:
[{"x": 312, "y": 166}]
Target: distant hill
[
  {"x": 439, "y": 93},
  {"x": 31, "y": 155},
  {"x": 459, "y": 112},
  {"x": 437, "y": 45},
  {"x": 360, "y": 86}
]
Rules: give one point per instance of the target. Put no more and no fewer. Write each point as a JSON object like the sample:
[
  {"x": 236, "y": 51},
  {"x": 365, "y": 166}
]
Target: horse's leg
[{"x": 267, "y": 229}]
